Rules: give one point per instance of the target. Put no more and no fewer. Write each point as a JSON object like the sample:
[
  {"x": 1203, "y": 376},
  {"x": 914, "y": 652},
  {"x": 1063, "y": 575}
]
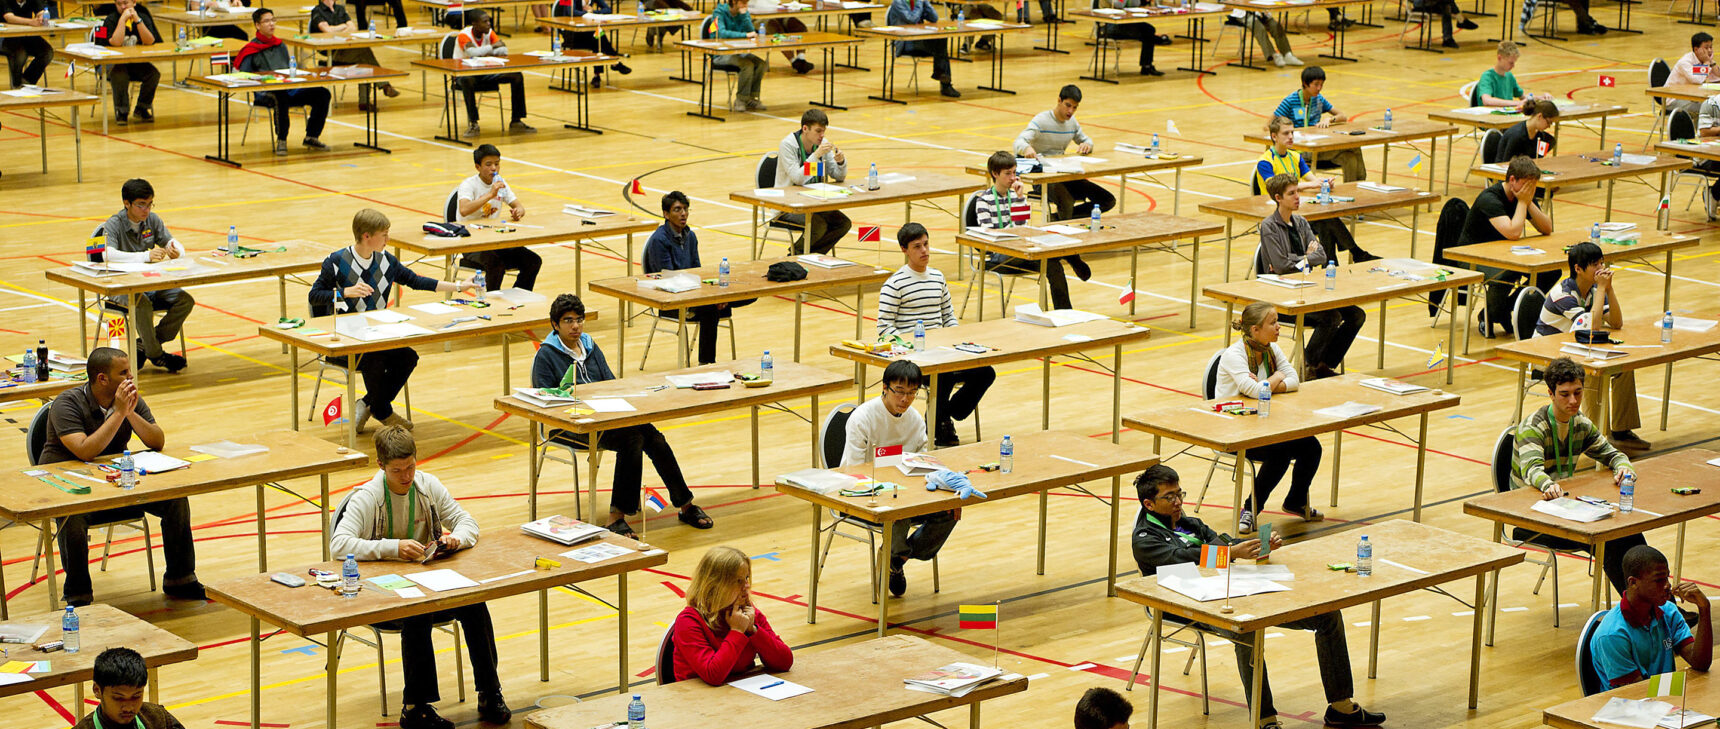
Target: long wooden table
[
  {"x": 218, "y": 266},
  {"x": 1572, "y": 170},
  {"x": 545, "y": 227},
  {"x": 572, "y": 65},
  {"x": 1044, "y": 460},
  {"x": 791, "y": 381},
  {"x": 1701, "y": 692},
  {"x": 1552, "y": 257},
  {"x": 1194, "y": 31},
  {"x": 308, "y": 45},
  {"x": 1408, "y": 557},
  {"x": 39, "y": 390},
  {"x": 1655, "y": 507},
  {"x": 1502, "y": 118},
  {"x": 1131, "y": 231},
  {"x": 501, "y": 563},
  {"x": 710, "y": 49},
  {"x": 326, "y": 77},
  {"x": 1643, "y": 349},
  {"x": 1315, "y": 141},
  {"x": 1293, "y": 415},
  {"x": 162, "y": 50},
  {"x": 923, "y": 186},
  {"x": 290, "y": 456},
  {"x": 55, "y": 99},
  {"x": 1008, "y": 341},
  {"x": 853, "y": 685},
  {"x": 946, "y": 31},
  {"x": 100, "y": 627},
  {"x": 1359, "y": 284},
  {"x": 1115, "y": 162},
  {"x": 746, "y": 281},
  {"x": 1283, "y": 8},
  {"x": 1254, "y": 208}
]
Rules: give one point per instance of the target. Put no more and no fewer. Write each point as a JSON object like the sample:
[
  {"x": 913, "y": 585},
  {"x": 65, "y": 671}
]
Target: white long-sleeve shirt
[
  {"x": 1235, "y": 379},
  {"x": 362, "y": 529},
  {"x": 872, "y": 426}
]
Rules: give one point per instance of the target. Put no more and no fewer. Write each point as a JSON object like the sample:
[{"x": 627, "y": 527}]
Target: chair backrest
[
  {"x": 445, "y": 49},
  {"x": 1680, "y": 126},
  {"x": 1587, "y": 679},
  {"x": 1467, "y": 91},
  {"x": 708, "y": 28},
  {"x": 94, "y": 257},
  {"x": 666, "y": 657},
  {"x": 1503, "y": 450},
  {"x": 451, "y": 211},
  {"x": 766, "y": 175},
  {"x": 1491, "y": 141},
  {"x": 1209, "y": 377},
  {"x": 1259, "y": 261},
  {"x": 833, "y": 435},
  {"x": 36, "y": 437},
  {"x": 970, "y": 212},
  {"x": 1526, "y": 311},
  {"x": 1658, "y": 72},
  {"x": 1448, "y": 231}
]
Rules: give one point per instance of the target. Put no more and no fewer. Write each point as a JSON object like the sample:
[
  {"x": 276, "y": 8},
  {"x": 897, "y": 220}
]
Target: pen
[{"x": 772, "y": 684}]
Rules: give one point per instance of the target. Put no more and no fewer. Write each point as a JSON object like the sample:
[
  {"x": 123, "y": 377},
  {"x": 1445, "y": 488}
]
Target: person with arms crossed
[
  {"x": 130, "y": 24},
  {"x": 1280, "y": 159},
  {"x": 1589, "y": 293},
  {"x": 919, "y": 294},
  {"x": 1049, "y": 134},
  {"x": 136, "y": 234},
  {"x": 1639, "y": 636},
  {"x": 481, "y": 198},
  {"x": 1249, "y": 368},
  {"x": 119, "y": 678},
  {"x": 1306, "y": 107},
  {"x": 915, "y": 12},
  {"x": 674, "y": 246},
  {"x": 811, "y": 144},
  {"x": 477, "y": 40},
  {"x": 721, "y": 633},
  {"x": 96, "y": 419},
  {"x": 1102, "y": 708},
  {"x": 571, "y": 349},
  {"x": 266, "y": 53},
  {"x": 1004, "y": 204},
  {"x": 1288, "y": 245},
  {"x": 406, "y": 514},
  {"x": 890, "y": 421},
  {"x": 1505, "y": 211}
]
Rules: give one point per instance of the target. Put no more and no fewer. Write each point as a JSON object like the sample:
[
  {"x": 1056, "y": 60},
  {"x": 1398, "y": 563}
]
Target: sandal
[
  {"x": 695, "y": 517},
  {"x": 619, "y": 526}
]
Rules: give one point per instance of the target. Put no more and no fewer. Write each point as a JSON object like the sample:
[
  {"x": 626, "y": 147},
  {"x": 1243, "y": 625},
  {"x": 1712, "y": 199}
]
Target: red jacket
[{"x": 717, "y": 656}]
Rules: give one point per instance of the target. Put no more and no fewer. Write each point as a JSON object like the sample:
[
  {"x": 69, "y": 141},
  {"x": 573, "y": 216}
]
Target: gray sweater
[
  {"x": 1281, "y": 251},
  {"x": 790, "y": 158},
  {"x": 1046, "y": 135},
  {"x": 361, "y": 530}
]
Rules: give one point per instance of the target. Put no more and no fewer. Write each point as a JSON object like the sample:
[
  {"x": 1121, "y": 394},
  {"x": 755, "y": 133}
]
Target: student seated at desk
[
  {"x": 1102, "y": 708},
  {"x": 1146, "y": 33},
  {"x": 811, "y": 144},
  {"x": 1498, "y": 85},
  {"x": 1638, "y": 637},
  {"x": 1306, "y": 107},
  {"x": 1588, "y": 293},
  {"x": 477, "y": 40},
  {"x": 721, "y": 631},
  {"x": 1049, "y": 134},
  {"x": 97, "y": 419},
  {"x": 914, "y": 12},
  {"x": 918, "y": 293},
  {"x": 481, "y": 198},
  {"x": 360, "y": 278},
  {"x": 1004, "y": 205},
  {"x": 654, "y": 37},
  {"x": 1280, "y": 159},
  {"x": 730, "y": 20},
  {"x": 1246, "y": 369},
  {"x": 136, "y": 234},
  {"x": 1694, "y": 68},
  {"x": 890, "y": 420},
  {"x": 210, "y": 7},
  {"x": 267, "y": 53},
  {"x": 570, "y": 348},
  {"x": 1549, "y": 441},
  {"x": 27, "y": 56},
  {"x": 1707, "y": 128},
  {"x": 130, "y": 24},
  {"x": 674, "y": 246},
  {"x": 119, "y": 679},
  {"x": 1165, "y": 535},
  {"x": 1505, "y": 211},
  {"x": 1288, "y": 245},
  {"x": 1446, "y": 9},
  {"x": 1529, "y": 138},
  {"x": 589, "y": 40},
  {"x": 405, "y": 514},
  {"x": 329, "y": 16},
  {"x": 1268, "y": 33}
]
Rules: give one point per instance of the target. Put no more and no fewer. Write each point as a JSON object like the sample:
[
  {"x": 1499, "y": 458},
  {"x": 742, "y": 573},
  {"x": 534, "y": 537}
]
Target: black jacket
[{"x": 1154, "y": 545}]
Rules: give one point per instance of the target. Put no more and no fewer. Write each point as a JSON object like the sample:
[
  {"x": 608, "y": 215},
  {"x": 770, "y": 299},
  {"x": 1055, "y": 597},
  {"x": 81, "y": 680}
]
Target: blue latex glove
[{"x": 948, "y": 480}]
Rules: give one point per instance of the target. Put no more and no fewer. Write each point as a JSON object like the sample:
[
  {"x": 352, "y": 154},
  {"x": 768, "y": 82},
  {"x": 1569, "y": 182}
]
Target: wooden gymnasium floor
[{"x": 1058, "y": 627}]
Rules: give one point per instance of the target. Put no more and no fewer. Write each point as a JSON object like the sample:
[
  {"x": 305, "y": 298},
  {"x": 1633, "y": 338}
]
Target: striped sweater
[
  {"x": 909, "y": 296},
  {"x": 1046, "y": 135},
  {"x": 1538, "y": 435}
]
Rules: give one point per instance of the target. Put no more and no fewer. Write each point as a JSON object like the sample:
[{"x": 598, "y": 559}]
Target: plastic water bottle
[
  {"x": 232, "y": 240},
  {"x": 872, "y": 177},
  {"x": 1265, "y": 406},
  {"x": 292, "y": 65},
  {"x": 371, "y": 26},
  {"x": 766, "y": 367},
  {"x": 555, "y": 44},
  {"x": 478, "y": 281},
  {"x": 1006, "y": 455},
  {"x": 69, "y": 630},
  {"x": 349, "y": 578},
  {"x": 1595, "y": 234},
  {"x": 127, "y": 471},
  {"x": 1331, "y": 273},
  {"x": 1155, "y": 148},
  {"x": 1388, "y": 123},
  {"x": 636, "y": 713},
  {"x": 1093, "y": 222},
  {"x": 29, "y": 373},
  {"x": 919, "y": 335},
  {"x": 1666, "y": 328},
  {"x": 723, "y": 272},
  {"x": 1365, "y": 557},
  {"x": 961, "y": 16},
  {"x": 1325, "y": 197},
  {"x": 1618, "y": 155},
  {"x": 42, "y": 360},
  {"x": 1627, "y": 493},
  {"x": 182, "y": 43},
  {"x": 640, "y": 9},
  {"x": 48, "y": 17}
]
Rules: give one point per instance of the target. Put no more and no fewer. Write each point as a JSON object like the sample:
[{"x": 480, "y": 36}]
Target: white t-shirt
[
  {"x": 473, "y": 188},
  {"x": 872, "y": 426}
]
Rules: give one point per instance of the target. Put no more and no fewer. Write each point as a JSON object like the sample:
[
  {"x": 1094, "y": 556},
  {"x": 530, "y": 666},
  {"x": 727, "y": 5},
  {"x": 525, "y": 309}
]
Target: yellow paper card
[{"x": 199, "y": 458}]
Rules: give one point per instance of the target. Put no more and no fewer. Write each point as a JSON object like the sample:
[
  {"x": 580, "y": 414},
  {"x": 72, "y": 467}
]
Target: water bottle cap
[
  {"x": 636, "y": 696},
  {"x": 1364, "y": 537},
  {"x": 349, "y": 556}
]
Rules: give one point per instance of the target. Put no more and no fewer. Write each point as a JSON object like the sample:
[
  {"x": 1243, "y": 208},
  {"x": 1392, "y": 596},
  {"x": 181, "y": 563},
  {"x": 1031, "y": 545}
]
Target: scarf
[
  {"x": 1257, "y": 353},
  {"x": 255, "y": 46}
]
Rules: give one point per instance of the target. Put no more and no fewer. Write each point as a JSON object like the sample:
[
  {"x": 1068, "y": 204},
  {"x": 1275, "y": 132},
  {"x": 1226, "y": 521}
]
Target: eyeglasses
[
  {"x": 573, "y": 320},
  {"x": 149, "y": 205},
  {"x": 1173, "y": 496},
  {"x": 904, "y": 393}
]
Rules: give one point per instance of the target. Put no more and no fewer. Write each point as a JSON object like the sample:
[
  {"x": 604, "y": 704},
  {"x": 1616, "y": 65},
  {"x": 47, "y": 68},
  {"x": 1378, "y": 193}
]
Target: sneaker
[
  {"x": 1359, "y": 717},
  {"x": 1468, "y": 24},
  {"x": 493, "y": 709},
  {"x": 280, "y": 148},
  {"x": 1628, "y": 441},
  {"x": 119, "y": 119},
  {"x": 946, "y": 436},
  {"x": 1245, "y": 525},
  {"x": 756, "y": 105},
  {"x": 472, "y": 129},
  {"x": 950, "y": 91},
  {"x": 395, "y": 418},
  {"x": 898, "y": 578},
  {"x": 423, "y": 716},
  {"x": 740, "y": 105},
  {"x": 1149, "y": 70},
  {"x": 985, "y": 44},
  {"x": 801, "y": 66},
  {"x": 1290, "y": 59},
  {"x": 389, "y": 91},
  {"x": 192, "y": 590},
  {"x": 1340, "y": 24},
  {"x": 144, "y": 116},
  {"x": 1449, "y": 43},
  {"x": 519, "y": 126},
  {"x": 315, "y": 143},
  {"x": 169, "y": 361},
  {"x": 361, "y": 416},
  {"x": 622, "y": 69},
  {"x": 1278, "y": 60}
]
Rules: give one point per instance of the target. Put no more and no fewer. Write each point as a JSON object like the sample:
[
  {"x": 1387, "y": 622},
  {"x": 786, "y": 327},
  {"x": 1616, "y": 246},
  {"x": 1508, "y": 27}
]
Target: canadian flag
[
  {"x": 332, "y": 412},
  {"x": 1608, "y": 82}
]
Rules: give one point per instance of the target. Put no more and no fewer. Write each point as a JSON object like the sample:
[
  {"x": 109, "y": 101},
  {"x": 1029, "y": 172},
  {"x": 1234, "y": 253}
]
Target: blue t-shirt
[
  {"x": 1303, "y": 115},
  {"x": 1620, "y": 648}
]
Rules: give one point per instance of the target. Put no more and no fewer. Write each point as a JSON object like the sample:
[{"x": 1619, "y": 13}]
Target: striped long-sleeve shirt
[
  {"x": 1539, "y": 444},
  {"x": 1045, "y": 135},
  {"x": 909, "y": 296}
]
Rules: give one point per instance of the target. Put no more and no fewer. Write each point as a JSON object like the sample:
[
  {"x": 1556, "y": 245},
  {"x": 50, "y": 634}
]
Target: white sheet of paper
[
  {"x": 441, "y": 580},
  {"x": 778, "y": 689},
  {"x": 409, "y": 592},
  {"x": 609, "y": 405},
  {"x": 385, "y": 316},
  {"x": 768, "y": 192},
  {"x": 435, "y": 307},
  {"x": 1063, "y": 229},
  {"x": 596, "y": 553},
  {"x": 7, "y": 679}
]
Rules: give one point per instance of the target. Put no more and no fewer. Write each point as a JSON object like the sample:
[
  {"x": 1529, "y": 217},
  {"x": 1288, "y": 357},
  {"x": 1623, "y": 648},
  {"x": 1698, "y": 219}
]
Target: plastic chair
[
  {"x": 445, "y": 49},
  {"x": 573, "y": 448},
  {"x": 833, "y": 440},
  {"x": 666, "y": 657},
  {"x": 117, "y": 306},
  {"x": 1587, "y": 679},
  {"x": 1197, "y": 646},
  {"x": 1658, "y": 73},
  {"x": 1219, "y": 459},
  {"x": 669, "y": 326},
  {"x": 764, "y": 176},
  {"x": 980, "y": 265},
  {"x": 35, "y": 439},
  {"x": 1503, "y": 450},
  {"x": 731, "y": 72},
  {"x": 1491, "y": 141},
  {"x": 1680, "y": 126}
]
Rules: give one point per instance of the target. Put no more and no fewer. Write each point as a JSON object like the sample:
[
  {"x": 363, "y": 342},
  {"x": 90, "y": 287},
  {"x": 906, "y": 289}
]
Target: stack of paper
[
  {"x": 1590, "y": 352},
  {"x": 673, "y": 284},
  {"x": 562, "y": 530},
  {"x": 1186, "y": 579},
  {"x": 1572, "y": 509},
  {"x": 1284, "y": 281},
  {"x": 153, "y": 462},
  {"x": 441, "y": 580},
  {"x": 689, "y": 381},
  {"x": 597, "y": 552},
  {"x": 819, "y": 480},
  {"x": 1350, "y": 409},
  {"x": 539, "y": 397},
  {"x": 1032, "y": 314},
  {"x": 955, "y": 679},
  {"x": 1379, "y": 187},
  {"x": 229, "y": 449},
  {"x": 1678, "y": 322},
  {"x": 1395, "y": 387},
  {"x": 515, "y": 296},
  {"x": 584, "y": 212},
  {"x": 770, "y": 687},
  {"x": 990, "y": 234},
  {"x": 822, "y": 261},
  {"x": 1640, "y": 713}
]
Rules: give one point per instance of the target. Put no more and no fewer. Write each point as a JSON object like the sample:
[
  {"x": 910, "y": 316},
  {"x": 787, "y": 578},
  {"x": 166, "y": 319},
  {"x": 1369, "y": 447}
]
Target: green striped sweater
[{"x": 1542, "y": 457}]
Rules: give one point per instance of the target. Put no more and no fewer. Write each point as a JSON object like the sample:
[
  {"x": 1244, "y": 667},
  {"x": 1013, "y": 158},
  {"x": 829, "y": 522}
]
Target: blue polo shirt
[
  {"x": 1303, "y": 115},
  {"x": 1620, "y": 648}
]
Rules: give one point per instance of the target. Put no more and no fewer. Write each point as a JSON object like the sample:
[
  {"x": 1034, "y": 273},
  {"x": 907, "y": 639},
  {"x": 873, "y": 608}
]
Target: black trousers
[
  {"x": 37, "y": 50},
  {"x": 822, "y": 230},
  {"x": 418, "y": 654},
  {"x": 496, "y": 264},
  {"x": 1143, "y": 32},
  {"x": 176, "y": 542},
  {"x": 1076, "y": 198},
  {"x": 962, "y": 402},
  {"x": 629, "y": 445},
  {"x": 1056, "y": 283},
  {"x": 1335, "y": 235},
  {"x": 384, "y": 372},
  {"x": 471, "y": 85},
  {"x": 1334, "y": 331},
  {"x": 1274, "y": 460},
  {"x": 1331, "y": 652},
  {"x": 706, "y": 317},
  {"x": 317, "y": 99},
  {"x": 147, "y": 76},
  {"x": 395, "y": 6},
  {"x": 1613, "y": 565}
]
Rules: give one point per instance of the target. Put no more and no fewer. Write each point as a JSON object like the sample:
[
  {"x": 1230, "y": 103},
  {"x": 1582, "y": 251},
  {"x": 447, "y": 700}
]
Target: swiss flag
[
  {"x": 1608, "y": 82},
  {"x": 332, "y": 412},
  {"x": 870, "y": 234}
]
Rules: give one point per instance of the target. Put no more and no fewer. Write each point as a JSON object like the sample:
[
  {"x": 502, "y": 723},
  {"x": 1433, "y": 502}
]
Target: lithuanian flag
[{"x": 978, "y": 617}]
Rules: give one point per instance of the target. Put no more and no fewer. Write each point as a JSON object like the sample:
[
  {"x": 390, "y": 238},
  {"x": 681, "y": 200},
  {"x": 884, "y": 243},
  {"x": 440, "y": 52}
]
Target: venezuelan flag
[{"x": 978, "y": 617}]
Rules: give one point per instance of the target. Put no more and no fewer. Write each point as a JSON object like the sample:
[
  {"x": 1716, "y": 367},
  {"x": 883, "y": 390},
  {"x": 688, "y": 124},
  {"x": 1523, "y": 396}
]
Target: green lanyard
[
  {"x": 1006, "y": 215},
  {"x": 137, "y": 721},
  {"x": 1562, "y": 446},
  {"x": 1188, "y": 539},
  {"x": 411, "y": 511}
]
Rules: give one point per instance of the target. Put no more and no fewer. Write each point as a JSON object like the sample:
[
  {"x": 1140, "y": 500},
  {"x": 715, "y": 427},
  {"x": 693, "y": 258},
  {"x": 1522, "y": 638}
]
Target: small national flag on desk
[
  {"x": 653, "y": 500},
  {"x": 1666, "y": 684},
  {"x": 1215, "y": 556},
  {"x": 96, "y": 245},
  {"x": 1608, "y": 82},
  {"x": 222, "y": 59},
  {"x": 1438, "y": 357},
  {"x": 332, "y": 412},
  {"x": 1171, "y": 127},
  {"x": 456, "y": 7},
  {"x": 1128, "y": 294},
  {"x": 870, "y": 234},
  {"x": 1665, "y": 203},
  {"x": 1415, "y": 164},
  {"x": 71, "y": 68},
  {"x": 636, "y": 187},
  {"x": 978, "y": 617},
  {"x": 809, "y": 168}
]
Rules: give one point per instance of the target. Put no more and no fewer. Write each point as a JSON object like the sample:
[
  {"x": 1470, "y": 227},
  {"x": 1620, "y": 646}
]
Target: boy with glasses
[
  {"x": 136, "y": 234},
  {"x": 891, "y": 421}
]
